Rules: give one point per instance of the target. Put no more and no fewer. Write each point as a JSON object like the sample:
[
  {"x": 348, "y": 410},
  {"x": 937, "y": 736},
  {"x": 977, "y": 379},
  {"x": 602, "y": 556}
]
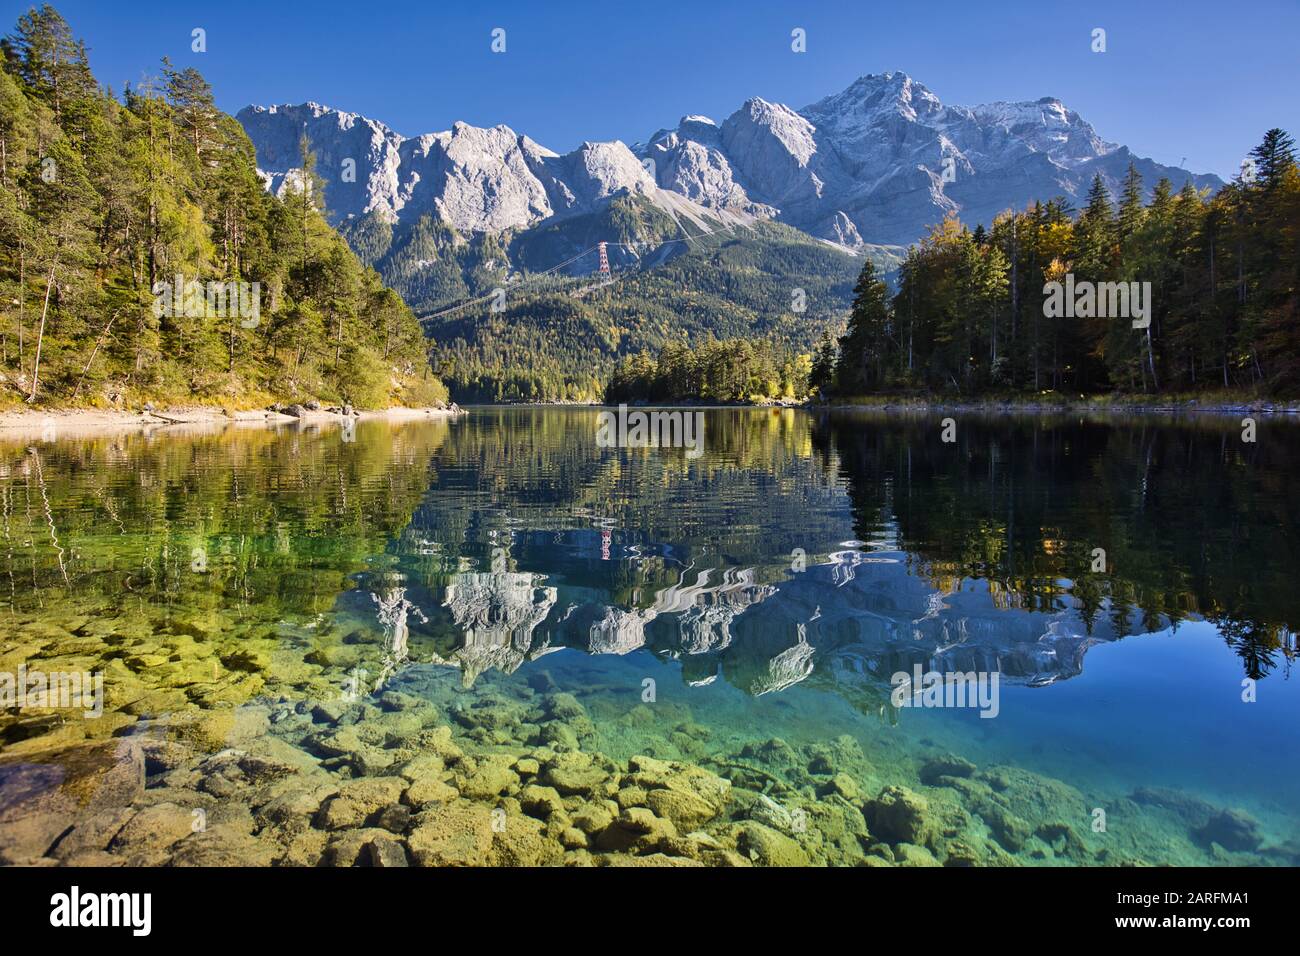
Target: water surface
[{"x": 1130, "y": 581}]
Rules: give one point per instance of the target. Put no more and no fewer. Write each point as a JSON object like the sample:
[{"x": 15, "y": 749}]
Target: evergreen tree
[{"x": 861, "y": 365}]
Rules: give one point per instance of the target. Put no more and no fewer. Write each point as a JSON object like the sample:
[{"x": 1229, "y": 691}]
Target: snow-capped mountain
[
  {"x": 885, "y": 158},
  {"x": 477, "y": 180},
  {"x": 874, "y": 164}
]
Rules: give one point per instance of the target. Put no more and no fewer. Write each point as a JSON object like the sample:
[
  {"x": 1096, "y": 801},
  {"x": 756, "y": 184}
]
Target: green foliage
[
  {"x": 104, "y": 203},
  {"x": 969, "y": 313},
  {"x": 735, "y": 370},
  {"x": 559, "y": 340}
]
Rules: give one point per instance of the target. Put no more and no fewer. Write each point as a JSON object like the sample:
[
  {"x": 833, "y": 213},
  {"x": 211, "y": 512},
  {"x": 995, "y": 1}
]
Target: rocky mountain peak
[{"x": 875, "y": 163}]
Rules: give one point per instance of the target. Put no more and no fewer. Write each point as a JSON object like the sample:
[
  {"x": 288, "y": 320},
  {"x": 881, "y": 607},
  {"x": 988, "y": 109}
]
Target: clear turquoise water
[{"x": 534, "y": 560}]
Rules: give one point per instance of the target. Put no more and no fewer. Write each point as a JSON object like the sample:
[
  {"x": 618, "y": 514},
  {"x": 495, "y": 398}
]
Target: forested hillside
[
  {"x": 141, "y": 259},
  {"x": 561, "y": 341},
  {"x": 974, "y": 311}
]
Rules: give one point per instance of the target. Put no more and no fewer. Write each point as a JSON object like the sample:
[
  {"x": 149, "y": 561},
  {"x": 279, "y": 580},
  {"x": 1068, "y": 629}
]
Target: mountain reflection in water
[
  {"x": 976, "y": 556},
  {"x": 1128, "y": 580}
]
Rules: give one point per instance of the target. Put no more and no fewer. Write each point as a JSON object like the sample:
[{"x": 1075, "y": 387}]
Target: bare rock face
[
  {"x": 44, "y": 797},
  {"x": 876, "y": 163},
  {"x": 474, "y": 179}
]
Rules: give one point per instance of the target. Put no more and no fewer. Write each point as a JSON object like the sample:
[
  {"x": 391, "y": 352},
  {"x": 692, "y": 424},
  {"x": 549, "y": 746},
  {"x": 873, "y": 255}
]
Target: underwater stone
[
  {"x": 1194, "y": 810},
  {"x": 573, "y": 839},
  {"x": 213, "y": 730},
  {"x": 821, "y": 764},
  {"x": 774, "y": 752},
  {"x": 152, "y": 831},
  {"x": 592, "y": 819},
  {"x": 222, "y": 846},
  {"x": 397, "y": 727},
  {"x": 947, "y": 765},
  {"x": 540, "y": 801},
  {"x": 429, "y": 790},
  {"x": 395, "y": 818},
  {"x": 384, "y": 852},
  {"x": 652, "y": 774},
  {"x": 438, "y": 741},
  {"x": 296, "y": 806},
  {"x": 961, "y": 854},
  {"x": 349, "y": 847},
  {"x": 43, "y": 792},
  {"x": 369, "y": 760},
  {"x": 908, "y": 854},
  {"x": 305, "y": 848},
  {"x": 521, "y": 843},
  {"x": 161, "y": 756},
  {"x": 455, "y": 835},
  {"x": 332, "y": 711},
  {"x": 844, "y": 785},
  {"x": 357, "y": 800},
  {"x": 560, "y": 735},
  {"x": 900, "y": 816},
  {"x": 769, "y": 847},
  {"x": 564, "y": 707},
  {"x": 1234, "y": 830},
  {"x": 654, "y": 859},
  {"x": 423, "y": 765},
  {"x": 1012, "y": 831},
  {"x": 685, "y": 809},
  {"x": 92, "y": 833},
  {"x": 636, "y": 829},
  {"x": 335, "y": 655},
  {"x": 574, "y": 773},
  {"x": 492, "y": 776},
  {"x": 398, "y": 700}
]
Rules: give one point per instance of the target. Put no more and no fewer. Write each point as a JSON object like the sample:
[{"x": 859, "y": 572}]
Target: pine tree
[
  {"x": 190, "y": 96},
  {"x": 862, "y": 349}
]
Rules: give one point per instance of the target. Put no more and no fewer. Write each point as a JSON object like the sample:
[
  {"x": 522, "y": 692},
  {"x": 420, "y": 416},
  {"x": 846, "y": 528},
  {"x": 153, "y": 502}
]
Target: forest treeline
[
  {"x": 142, "y": 259},
  {"x": 975, "y": 312},
  {"x": 730, "y": 370},
  {"x": 553, "y": 344}
]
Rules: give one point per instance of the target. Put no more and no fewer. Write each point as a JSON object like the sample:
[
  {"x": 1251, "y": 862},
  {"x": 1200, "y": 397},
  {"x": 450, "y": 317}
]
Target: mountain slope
[
  {"x": 875, "y": 163},
  {"x": 868, "y": 164},
  {"x": 455, "y": 218},
  {"x": 558, "y": 339}
]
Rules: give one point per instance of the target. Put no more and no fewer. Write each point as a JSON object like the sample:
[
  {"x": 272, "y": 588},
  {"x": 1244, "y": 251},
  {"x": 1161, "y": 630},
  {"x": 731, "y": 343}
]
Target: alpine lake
[{"x": 491, "y": 640}]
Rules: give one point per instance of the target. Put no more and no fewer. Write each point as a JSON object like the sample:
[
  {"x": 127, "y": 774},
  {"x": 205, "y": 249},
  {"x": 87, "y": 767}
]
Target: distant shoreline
[{"x": 1193, "y": 406}]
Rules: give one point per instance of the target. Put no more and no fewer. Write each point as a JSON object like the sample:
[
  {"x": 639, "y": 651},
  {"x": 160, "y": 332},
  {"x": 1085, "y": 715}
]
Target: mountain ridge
[{"x": 875, "y": 163}]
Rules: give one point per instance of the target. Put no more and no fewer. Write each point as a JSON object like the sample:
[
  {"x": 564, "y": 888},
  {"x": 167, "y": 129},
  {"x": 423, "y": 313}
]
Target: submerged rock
[
  {"x": 150, "y": 833},
  {"x": 457, "y": 834},
  {"x": 769, "y": 847},
  {"x": 948, "y": 765},
  {"x": 898, "y": 815},
  {"x": 1234, "y": 830},
  {"x": 358, "y": 800},
  {"x": 41, "y": 796},
  {"x": 638, "y": 830}
]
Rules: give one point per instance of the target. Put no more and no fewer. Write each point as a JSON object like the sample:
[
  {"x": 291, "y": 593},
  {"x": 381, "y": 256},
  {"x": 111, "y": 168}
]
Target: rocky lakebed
[{"x": 245, "y": 770}]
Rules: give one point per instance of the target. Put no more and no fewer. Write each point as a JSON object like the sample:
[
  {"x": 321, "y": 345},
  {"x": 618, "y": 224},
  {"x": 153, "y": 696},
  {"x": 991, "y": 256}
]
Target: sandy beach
[{"x": 52, "y": 424}]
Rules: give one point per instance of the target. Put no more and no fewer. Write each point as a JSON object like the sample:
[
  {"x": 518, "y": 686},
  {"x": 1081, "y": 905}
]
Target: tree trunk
[
  {"x": 76, "y": 391},
  {"x": 40, "y": 338}
]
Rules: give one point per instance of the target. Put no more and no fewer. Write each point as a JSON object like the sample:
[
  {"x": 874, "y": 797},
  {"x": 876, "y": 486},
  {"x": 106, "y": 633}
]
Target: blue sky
[{"x": 1190, "y": 79}]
